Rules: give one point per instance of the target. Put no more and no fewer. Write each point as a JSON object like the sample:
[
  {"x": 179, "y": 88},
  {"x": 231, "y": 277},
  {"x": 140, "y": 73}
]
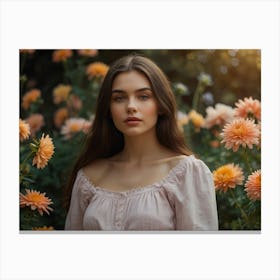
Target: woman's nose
[{"x": 131, "y": 106}]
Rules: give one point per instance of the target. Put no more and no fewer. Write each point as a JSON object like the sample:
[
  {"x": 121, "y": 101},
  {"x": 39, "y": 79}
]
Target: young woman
[{"x": 136, "y": 172}]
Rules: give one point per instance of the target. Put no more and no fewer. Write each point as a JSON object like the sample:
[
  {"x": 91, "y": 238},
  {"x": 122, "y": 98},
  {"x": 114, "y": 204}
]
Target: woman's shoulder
[
  {"x": 96, "y": 169},
  {"x": 187, "y": 166}
]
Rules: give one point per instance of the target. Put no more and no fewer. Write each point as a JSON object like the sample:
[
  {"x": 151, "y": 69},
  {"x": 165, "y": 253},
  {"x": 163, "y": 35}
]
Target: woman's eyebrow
[{"x": 138, "y": 90}]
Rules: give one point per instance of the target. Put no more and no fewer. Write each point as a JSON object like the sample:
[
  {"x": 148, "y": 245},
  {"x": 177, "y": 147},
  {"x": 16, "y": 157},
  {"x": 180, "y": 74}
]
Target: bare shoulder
[
  {"x": 174, "y": 160},
  {"x": 97, "y": 169}
]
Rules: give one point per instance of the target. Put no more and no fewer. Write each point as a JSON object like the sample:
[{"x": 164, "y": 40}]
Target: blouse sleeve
[
  {"x": 74, "y": 218},
  {"x": 195, "y": 198}
]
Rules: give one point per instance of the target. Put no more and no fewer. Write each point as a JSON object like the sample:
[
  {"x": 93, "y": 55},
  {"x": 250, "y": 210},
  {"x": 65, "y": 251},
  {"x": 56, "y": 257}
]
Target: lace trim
[{"x": 173, "y": 175}]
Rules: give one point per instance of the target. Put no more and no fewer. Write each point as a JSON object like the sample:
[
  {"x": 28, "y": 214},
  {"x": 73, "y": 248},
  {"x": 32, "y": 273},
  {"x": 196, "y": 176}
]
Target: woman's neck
[{"x": 138, "y": 149}]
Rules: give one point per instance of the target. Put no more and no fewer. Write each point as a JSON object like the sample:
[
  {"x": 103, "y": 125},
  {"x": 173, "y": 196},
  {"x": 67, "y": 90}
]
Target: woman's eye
[
  {"x": 144, "y": 97},
  {"x": 118, "y": 98}
]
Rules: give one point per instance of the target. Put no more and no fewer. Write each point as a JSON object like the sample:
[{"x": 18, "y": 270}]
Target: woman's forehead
[{"x": 131, "y": 79}]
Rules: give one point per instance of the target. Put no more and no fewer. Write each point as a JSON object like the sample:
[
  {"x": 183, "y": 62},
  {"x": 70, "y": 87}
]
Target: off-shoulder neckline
[{"x": 136, "y": 189}]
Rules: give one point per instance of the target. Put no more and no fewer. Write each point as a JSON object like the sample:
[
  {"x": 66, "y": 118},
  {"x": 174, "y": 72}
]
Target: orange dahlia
[
  {"x": 97, "y": 69},
  {"x": 24, "y": 130},
  {"x": 88, "y": 52},
  {"x": 29, "y": 51},
  {"x": 197, "y": 119},
  {"x": 253, "y": 186},
  {"x": 214, "y": 143},
  {"x": 30, "y": 97},
  {"x": 240, "y": 132},
  {"x": 44, "y": 151},
  {"x": 61, "y": 55},
  {"x": 36, "y": 200},
  {"x": 227, "y": 176},
  {"x": 60, "y": 93},
  {"x": 60, "y": 116},
  {"x": 43, "y": 228},
  {"x": 247, "y": 107}
]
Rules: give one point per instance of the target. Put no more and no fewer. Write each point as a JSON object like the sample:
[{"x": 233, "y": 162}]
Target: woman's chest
[
  {"x": 144, "y": 211},
  {"x": 124, "y": 179}
]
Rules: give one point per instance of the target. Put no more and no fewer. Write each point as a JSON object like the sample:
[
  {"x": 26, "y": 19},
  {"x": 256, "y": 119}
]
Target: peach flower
[
  {"x": 227, "y": 176},
  {"x": 240, "y": 132},
  {"x": 197, "y": 119},
  {"x": 74, "y": 102},
  {"x": 24, "y": 130},
  {"x": 43, "y": 228},
  {"x": 87, "y": 127},
  {"x": 60, "y": 116},
  {"x": 253, "y": 186},
  {"x": 61, "y": 93},
  {"x": 247, "y": 107},
  {"x": 30, "y": 97},
  {"x": 88, "y": 52},
  {"x": 61, "y": 55},
  {"x": 73, "y": 126},
  {"x": 214, "y": 143},
  {"x": 97, "y": 69},
  {"x": 36, "y": 122},
  {"x": 220, "y": 115},
  {"x": 29, "y": 51},
  {"x": 45, "y": 150},
  {"x": 36, "y": 200}
]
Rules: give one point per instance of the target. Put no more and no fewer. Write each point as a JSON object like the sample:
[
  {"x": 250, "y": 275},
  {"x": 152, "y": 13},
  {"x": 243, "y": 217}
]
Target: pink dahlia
[
  {"x": 253, "y": 186},
  {"x": 240, "y": 132},
  {"x": 247, "y": 107}
]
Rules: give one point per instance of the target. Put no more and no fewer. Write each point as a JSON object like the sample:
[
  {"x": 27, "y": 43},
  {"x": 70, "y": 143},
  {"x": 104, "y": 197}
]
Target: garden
[{"x": 218, "y": 94}]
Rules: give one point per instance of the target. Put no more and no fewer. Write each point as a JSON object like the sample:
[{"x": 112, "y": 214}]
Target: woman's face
[{"x": 133, "y": 106}]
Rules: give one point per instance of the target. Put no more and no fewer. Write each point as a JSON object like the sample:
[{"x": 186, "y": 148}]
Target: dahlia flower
[
  {"x": 44, "y": 151},
  {"x": 61, "y": 55},
  {"x": 36, "y": 122},
  {"x": 248, "y": 106},
  {"x": 214, "y": 143},
  {"x": 43, "y": 228},
  {"x": 88, "y": 52},
  {"x": 60, "y": 93},
  {"x": 240, "y": 132},
  {"x": 220, "y": 115},
  {"x": 36, "y": 200},
  {"x": 97, "y": 69},
  {"x": 74, "y": 102},
  {"x": 74, "y": 125},
  {"x": 253, "y": 186},
  {"x": 24, "y": 130},
  {"x": 30, "y": 97},
  {"x": 29, "y": 51},
  {"x": 227, "y": 176},
  {"x": 60, "y": 116},
  {"x": 197, "y": 119}
]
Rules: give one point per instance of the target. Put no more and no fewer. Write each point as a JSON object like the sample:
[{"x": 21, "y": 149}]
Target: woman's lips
[{"x": 132, "y": 121}]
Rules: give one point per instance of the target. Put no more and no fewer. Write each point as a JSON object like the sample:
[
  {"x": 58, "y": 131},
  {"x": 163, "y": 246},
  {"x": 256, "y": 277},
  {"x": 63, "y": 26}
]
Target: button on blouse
[{"x": 182, "y": 200}]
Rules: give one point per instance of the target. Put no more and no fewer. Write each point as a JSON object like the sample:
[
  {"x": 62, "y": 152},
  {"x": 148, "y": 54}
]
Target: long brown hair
[{"x": 104, "y": 140}]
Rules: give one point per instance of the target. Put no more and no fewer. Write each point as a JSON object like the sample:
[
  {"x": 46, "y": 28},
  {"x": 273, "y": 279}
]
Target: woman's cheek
[{"x": 150, "y": 109}]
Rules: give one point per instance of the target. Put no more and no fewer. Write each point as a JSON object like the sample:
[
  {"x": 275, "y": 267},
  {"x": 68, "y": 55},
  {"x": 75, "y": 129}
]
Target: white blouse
[{"x": 183, "y": 200}]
